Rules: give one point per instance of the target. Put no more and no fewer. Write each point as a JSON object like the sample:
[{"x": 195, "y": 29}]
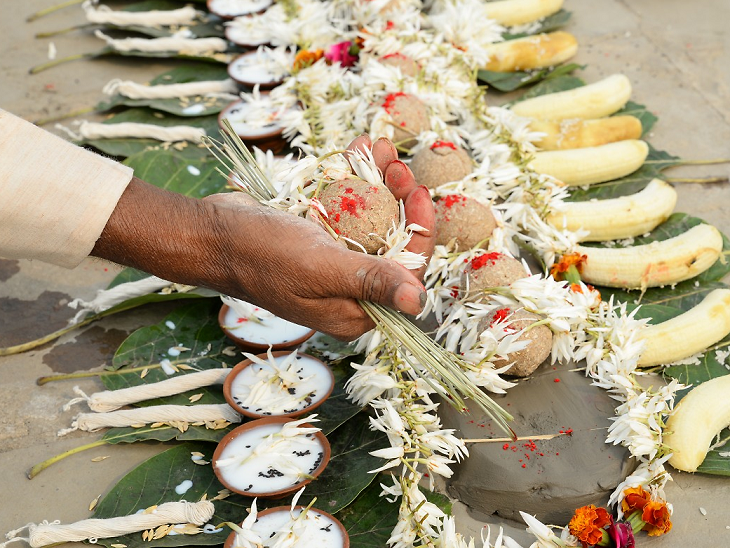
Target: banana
[
  {"x": 519, "y": 12},
  {"x": 596, "y": 100},
  {"x": 585, "y": 166},
  {"x": 618, "y": 218},
  {"x": 696, "y": 420},
  {"x": 577, "y": 133},
  {"x": 658, "y": 263},
  {"x": 689, "y": 333},
  {"x": 531, "y": 52}
]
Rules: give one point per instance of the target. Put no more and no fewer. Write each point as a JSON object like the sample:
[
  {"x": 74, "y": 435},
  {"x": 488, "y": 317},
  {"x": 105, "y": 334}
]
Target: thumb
[{"x": 383, "y": 281}]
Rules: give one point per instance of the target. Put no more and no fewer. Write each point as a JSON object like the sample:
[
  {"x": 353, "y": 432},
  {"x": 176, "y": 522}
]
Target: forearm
[{"x": 161, "y": 232}]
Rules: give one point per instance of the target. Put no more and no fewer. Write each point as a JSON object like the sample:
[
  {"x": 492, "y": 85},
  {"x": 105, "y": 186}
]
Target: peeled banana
[
  {"x": 618, "y": 218},
  {"x": 658, "y": 263},
  {"x": 577, "y": 133},
  {"x": 531, "y": 52},
  {"x": 688, "y": 333},
  {"x": 585, "y": 166},
  {"x": 519, "y": 12},
  {"x": 596, "y": 100},
  {"x": 696, "y": 420}
]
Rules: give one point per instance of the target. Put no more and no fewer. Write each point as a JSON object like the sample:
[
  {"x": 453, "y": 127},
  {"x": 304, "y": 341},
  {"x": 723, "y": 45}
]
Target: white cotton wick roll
[
  {"x": 133, "y": 90},
  {"x": 107, "y": 298},
  {"x": 169, "y": 513},
  {"x": 90, "y": 422},
  {"x": 104, "y": 15},
  {"x": 110, "y": 400},
  {"x": 188, "y": 46},
  {"x": 123, "y": 130}
]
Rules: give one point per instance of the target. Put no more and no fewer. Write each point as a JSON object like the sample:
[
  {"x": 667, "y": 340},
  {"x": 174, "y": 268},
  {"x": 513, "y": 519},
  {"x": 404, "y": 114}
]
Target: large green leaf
[
  {"x": 510, "y": 81},
  {"x": 115, "y": 436},
  {"x": 655, "y": 163},
  {"x": 128, "y": 275},
  {"x": 646, "y": 118},
  {"x": 550, "y": 23},
  {"x": 682, "y": 297},
  {"x": 190, "y": 72},
  {"x": 128, "y": 147},
  {"x": 191, "y": 171},
  {"x": 154, "y": 481},
  {"x": 709, "y": 367},
  {"x": 715, "y": 462},
  {"x": 559, "y": 83}
]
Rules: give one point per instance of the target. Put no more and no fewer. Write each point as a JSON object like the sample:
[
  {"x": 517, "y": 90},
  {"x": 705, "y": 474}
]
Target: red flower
[
  {"x": 342, "y": 53},
  {"x": 656, "y": 515},
  {"x": 621, "y": 534},
  {"x": 635, "y": 498}
]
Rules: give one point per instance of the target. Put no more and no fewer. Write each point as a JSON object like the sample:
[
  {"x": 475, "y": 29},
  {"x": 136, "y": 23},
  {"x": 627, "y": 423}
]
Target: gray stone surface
[
  {"x": 548, "y": 478},
  {"x": 676, "y": 55}
]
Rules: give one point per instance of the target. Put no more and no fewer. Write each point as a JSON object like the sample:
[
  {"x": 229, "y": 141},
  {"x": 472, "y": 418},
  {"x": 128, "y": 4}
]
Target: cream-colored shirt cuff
[{"x": 55, "y": 197}]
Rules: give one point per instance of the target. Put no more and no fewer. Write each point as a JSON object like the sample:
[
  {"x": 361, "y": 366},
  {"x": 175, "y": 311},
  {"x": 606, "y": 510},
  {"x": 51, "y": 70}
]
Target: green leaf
[
  {"x": 128, "y": 275},
  {"x": 646, "y": 118},
  {"x": 190, "y": 72},
  {"x": 682, "y": 297},
  {"x": 510, "y": 81},
  {"x": 129, "y": 146},
  {"x": 714, "y": 462},
  {"x": 655, "y": 163},
  {"x": 154, "y": 481},
  {"x": 203, "y": 28},
  {"x": 559, "y": 83},
  {"x": 191, "y": 171},
  {"x": 337, "y": 409},
  {"x": 550, "y": 23},
  {"x": 708, "y": 368},
  {"x": 115, "y": 436}
]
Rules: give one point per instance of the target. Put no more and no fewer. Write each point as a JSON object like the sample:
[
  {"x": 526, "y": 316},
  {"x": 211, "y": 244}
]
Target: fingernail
[{"x": 409, "y": 299}]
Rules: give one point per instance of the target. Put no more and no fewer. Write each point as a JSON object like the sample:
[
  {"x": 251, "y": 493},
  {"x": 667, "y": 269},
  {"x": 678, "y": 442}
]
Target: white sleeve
[{"x": 55, "y": 197}]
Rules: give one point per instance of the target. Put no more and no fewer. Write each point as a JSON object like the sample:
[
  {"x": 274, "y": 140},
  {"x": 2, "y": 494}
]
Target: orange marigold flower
[
  {"x": 635, "y": 498},
  {"x": 566, "y": 261},
  {"x": 588, "y": 522},
  {"x": 657, "y": 518},
  {"x": 305, "y": 58}
]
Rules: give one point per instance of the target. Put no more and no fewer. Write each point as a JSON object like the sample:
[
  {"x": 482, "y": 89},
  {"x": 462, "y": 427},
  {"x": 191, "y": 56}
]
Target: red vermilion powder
[
  {"x": 443, "y": 144},
  {"x": 394, "y": 55},
  {"x": 500, "y": 315},
  {"x": 388, "y": 26},
  {"x": 351, "y": 205},
  {"x": 483, "y": 260},
  {"x": 389, "y": 101},
  {"x": 452, "y": 199}
]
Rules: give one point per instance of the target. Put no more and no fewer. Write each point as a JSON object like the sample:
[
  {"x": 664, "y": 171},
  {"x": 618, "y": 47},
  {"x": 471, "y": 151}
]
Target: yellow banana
[
  {"x": 596, "y": 100},
  {"x": 696, "y": 420},
  {"x": 689, "y": 333},
  {"x": 618, "y": 218},
  {"x": 585, "y": 166},
  {"x": 531, "y": 52},
  {"x": 577, "y": 133},
  {"x": 658, "y": 263},
  {"x": 519, "y": 12}
]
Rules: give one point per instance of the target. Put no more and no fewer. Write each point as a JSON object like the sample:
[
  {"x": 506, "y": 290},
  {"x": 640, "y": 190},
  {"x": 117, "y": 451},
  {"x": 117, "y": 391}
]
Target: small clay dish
[
  {"x": 248, "y": 70},
  {"x": 238, "y": 37},
  {"x": 239, "y": 7},
  {"x": 269, "y": 137},
  {"x": 324, "y": 536},
  {"x": 258, "y": 476},
  {"x": 251, "y": 336},
  {"x": 317, "y": 383}
]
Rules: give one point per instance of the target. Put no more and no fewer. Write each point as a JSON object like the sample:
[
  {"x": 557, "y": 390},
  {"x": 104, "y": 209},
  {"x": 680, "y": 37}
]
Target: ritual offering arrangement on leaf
[{"x": 557, "y": 242}]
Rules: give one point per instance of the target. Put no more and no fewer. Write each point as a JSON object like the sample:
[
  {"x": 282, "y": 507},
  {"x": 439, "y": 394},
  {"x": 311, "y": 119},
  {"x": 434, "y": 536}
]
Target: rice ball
[
  {"x": 464, "y": 219},
  {"x": 441, "y": 163}
]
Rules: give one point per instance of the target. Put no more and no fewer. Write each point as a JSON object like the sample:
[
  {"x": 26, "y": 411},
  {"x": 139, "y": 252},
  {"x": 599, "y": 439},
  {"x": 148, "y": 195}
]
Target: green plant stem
[
  {"x": 40, "y": 68},
  {"x": 703, "y": 162},
  {"x": 79, "y": 112},
  {"x": 38, "y": 468},
  {"x": 46, "y": 11},
  {"x": 87, "y": 374},
  {"x": 51, "y": 33},
  {"x": 18, "y": 348},
  {"x": 699, "y": 180}
]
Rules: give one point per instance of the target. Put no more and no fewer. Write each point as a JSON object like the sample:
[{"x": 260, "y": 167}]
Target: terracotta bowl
[
  {"x": 248, "y": 413},
  {"x": 236, "y": 432},
  {"x": 271, "y": 139},
  {"x": 250, "y": 82},
  {"x": 345, "y": 537},
  {"x": 231, "y": 37},
  {"x": 257, "y": 347},
  {"x": 212, "y": 9}
]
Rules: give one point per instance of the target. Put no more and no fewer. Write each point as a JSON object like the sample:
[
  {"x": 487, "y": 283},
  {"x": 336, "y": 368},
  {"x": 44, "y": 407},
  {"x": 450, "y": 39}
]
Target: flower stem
[
  {"x": 38, "y": 468},
  {"x": 46, "y": 11},
  {"x": 40, "y": 68}
]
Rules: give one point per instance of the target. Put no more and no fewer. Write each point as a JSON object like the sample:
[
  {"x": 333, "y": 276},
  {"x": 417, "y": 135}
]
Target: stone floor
[{"x": 675, "y": 53}]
